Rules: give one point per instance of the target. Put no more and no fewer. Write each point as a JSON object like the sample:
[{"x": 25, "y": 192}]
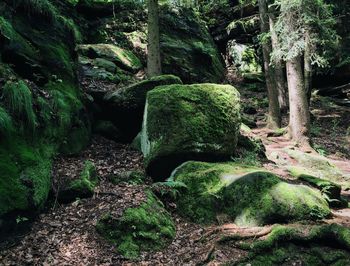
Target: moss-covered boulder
[
  {"x": 331, "y": 191},
  {"x": 187, "y": 48},
  {"x": 249, "y": 196},
  {"x": 127, "y": 104},
  {"x": 81, "y": 187},
  {"x": 123, "y": 58},
  {"x": 184, "y": 122},
  {"x": 148, "y": 227}
]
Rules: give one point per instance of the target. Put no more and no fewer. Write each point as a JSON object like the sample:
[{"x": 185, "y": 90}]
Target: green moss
[
  {"x": 250, "y": 196},
  {"x": 312, "y": 245},
  {"x": 25, "y": 174},
  {"x": 6, "y": 125},
  {"x": 148, "y": 227},
  {"x": 19, "y": 100},
  {"x": 13, "y": 40},
  {"x": 183, "y": 122},
  {"x": 134, "y": 96},
  {"x": 188, "y": 51},
  {"x": 330, "y": 190},
  {"x": 87, "y": 182},
  {"x": 123, "y": 58},
  {"x": 318, "y": 166}
]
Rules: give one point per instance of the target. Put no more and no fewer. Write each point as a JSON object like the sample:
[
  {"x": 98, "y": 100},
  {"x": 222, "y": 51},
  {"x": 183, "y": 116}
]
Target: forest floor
[{"x": 65, "y": 234}]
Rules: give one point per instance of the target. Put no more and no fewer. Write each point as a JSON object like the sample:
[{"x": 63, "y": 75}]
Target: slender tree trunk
[
  {"x": 274, "y": 115},
  {"x": 307, "y": 68},
  {"x": 153, "y": 49},
  {"x": 299, "y": 120},
  {"x": 281, "y": 82}
]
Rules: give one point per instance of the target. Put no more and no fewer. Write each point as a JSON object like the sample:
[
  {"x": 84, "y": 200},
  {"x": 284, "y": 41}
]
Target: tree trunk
[
  {"x": 274, "y": 115},
  {"x": 299, "y": 120},
  {"x": 307, "y": 68},
  {"x": 281, "y": 82},
  {"x": 153, "y": 48}
]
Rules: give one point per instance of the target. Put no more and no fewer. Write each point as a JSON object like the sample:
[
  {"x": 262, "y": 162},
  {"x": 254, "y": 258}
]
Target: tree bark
[
  {"x": 299, "y": 120},
  {"x": 307, "y": 68},
  {"x": 153, "y": 48},
  {"x": 281, "y": 82},
  {"x": 274, "y": 115}
]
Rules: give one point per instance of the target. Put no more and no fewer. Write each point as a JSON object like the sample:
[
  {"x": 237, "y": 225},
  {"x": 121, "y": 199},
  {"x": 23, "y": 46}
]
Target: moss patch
[
  {"x": 183, "y": 122},
  {"x": 145, "y": 228},
  {"x": 249, "y": 196},
  {"x": 319, "y": 166},
  {"x": 310, "y": 245}
]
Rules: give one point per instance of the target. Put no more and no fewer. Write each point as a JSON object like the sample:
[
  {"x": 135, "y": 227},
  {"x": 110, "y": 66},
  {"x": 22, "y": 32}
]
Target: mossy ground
[
  {"x": 145, "y": 228},
  {"x": 248, "y": 195}
]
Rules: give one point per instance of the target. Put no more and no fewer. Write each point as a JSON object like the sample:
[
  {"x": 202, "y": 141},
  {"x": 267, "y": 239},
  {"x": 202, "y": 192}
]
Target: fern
[
  {"x": 19, "y": 101},
  {"x": 6, "y": 126}
]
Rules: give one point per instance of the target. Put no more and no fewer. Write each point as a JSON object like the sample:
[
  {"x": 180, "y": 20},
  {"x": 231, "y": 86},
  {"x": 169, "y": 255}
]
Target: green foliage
[
  {"x": 6, "y": 125},
  {"x": 305, "y": 23},
  {"x": 148, "y": 227},
  {"x": 19, "y": 100}
]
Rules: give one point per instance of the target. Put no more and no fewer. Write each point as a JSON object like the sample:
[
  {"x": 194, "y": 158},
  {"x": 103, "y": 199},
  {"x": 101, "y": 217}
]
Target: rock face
[
  {"x": 248, "y": 196},
  {"x": 148, "y": 227},
  {"x": 125, "y": 106},
  {"x": 187, "y": 49},
  {"x": 40, "y": 99},
  {"x": 184, "y": 122}
]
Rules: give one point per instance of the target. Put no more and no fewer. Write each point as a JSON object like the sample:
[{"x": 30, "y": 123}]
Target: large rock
[
  {"x": 127, "y": 104},
  {"x": 248, "y": 196},
  {"x": 184, "y": 122},
  {"x": 187, "y": 48},
  {"x": 123, "y": 58}
]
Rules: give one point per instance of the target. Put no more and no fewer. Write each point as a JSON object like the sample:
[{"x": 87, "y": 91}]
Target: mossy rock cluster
[
  {"x": 248, "y": 196},
  {"x": 184, "y": 122},
  {"x": 304, "y": 245},
  {"x": 148, "y": 227},
  {"x": 81, "y": 187},
  {"x": 40, "y": 100}
]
